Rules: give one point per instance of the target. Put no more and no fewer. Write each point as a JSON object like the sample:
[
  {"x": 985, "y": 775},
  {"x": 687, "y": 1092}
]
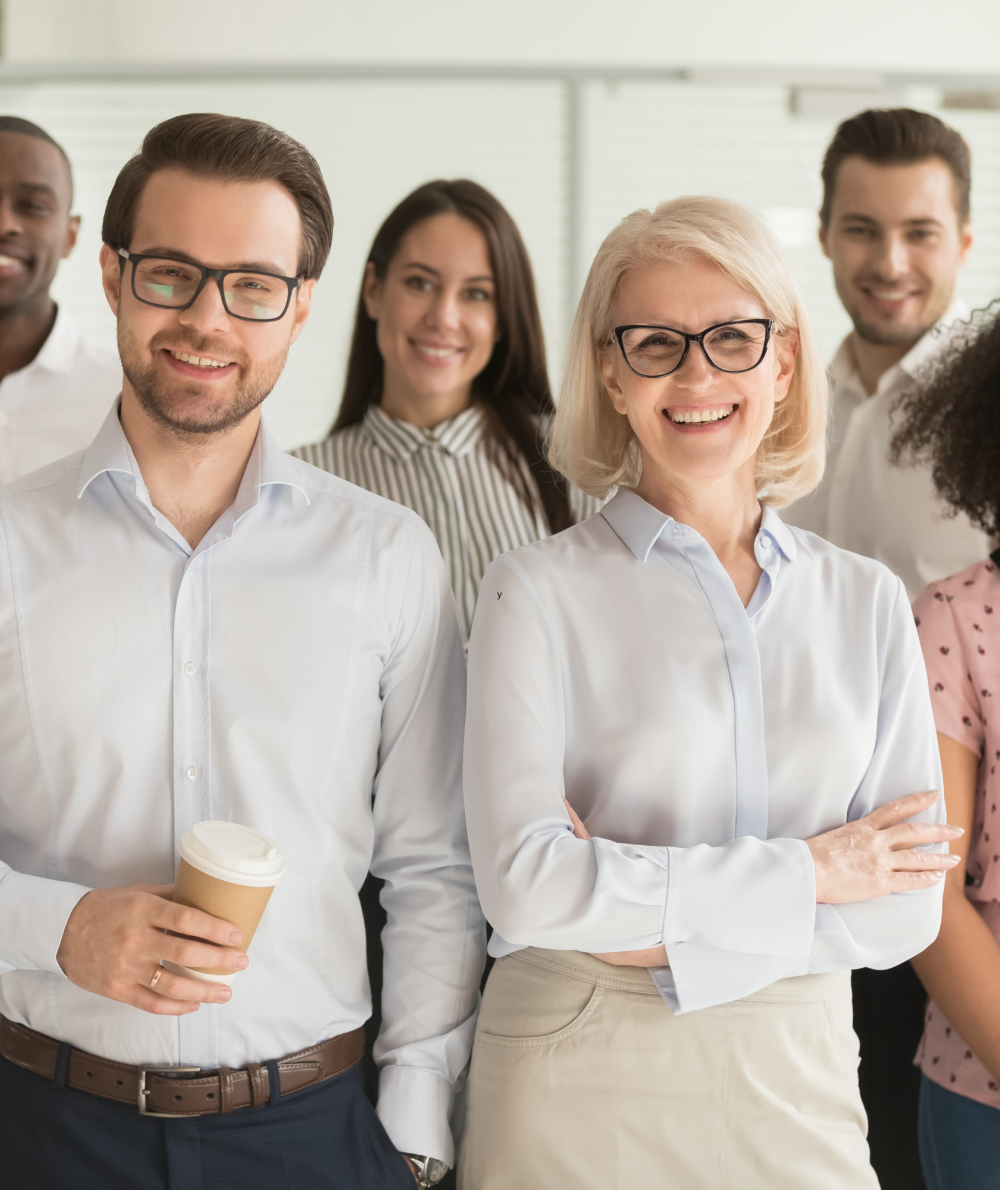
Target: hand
[
  {"x": 114, "y": 941},
  {"x": 875, "y": 856},
  {"x": 412, "y": 1167},
  {"x": 655, "y": 956}
]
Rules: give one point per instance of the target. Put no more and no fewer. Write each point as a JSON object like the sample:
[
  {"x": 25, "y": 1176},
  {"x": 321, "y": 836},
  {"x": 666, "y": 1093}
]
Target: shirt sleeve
[
  {"x": 434, "y": 941},
  {"x": 33, "y": 910},
  {"x": 879, "y": 933},
  {"x": 539, "y": 885},
  {"x": 957, "y": 712}
]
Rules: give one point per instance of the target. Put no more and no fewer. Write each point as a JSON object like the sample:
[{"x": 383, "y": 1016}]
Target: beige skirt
[{"x": 583, "y": 1078}]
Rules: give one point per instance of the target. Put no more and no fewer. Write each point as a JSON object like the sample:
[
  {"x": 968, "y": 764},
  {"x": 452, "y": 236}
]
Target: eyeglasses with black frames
[
  {"x": 176, "y": 284},
  {"x": 654, "y": 351}
]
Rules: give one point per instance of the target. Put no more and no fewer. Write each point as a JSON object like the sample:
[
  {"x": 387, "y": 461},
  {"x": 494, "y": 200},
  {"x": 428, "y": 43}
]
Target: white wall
[
  {"x": 909, "y": 35},
  {"x": 568, "y": 159}
]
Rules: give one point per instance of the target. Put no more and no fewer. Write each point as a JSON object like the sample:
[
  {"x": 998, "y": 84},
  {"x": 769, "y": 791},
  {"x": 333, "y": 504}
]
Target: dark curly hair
[{"x": 952, "y": 420}]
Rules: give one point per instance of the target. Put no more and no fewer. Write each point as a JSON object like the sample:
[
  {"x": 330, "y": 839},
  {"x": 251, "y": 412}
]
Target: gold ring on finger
[{"x": 156, "y": 978}]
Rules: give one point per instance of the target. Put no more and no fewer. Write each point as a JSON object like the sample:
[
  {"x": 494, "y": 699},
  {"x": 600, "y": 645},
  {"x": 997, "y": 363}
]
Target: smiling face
[
  {"x": 896, "y": 246},
  {"x": 435, "y": 310},
  {"x": 200, "y": 370},
  {"x": 36, "y": 229},
  {"x": 697, "y": 425}
]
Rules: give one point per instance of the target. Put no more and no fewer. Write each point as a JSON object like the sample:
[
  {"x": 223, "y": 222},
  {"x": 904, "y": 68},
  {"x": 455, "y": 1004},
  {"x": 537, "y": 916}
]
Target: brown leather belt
[{"x": 178, "y": 1090}]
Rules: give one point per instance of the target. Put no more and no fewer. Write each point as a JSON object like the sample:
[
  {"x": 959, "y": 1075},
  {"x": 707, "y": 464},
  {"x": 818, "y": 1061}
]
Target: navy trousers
[
  {"x": 325, "y": 1136},
  {"x": 959, "y": 1140}
]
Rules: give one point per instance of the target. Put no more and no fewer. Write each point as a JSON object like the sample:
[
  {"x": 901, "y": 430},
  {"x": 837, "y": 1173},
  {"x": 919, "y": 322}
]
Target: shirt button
[
  {"x": 190, "y": 669},
  {"x": 191, "y": 773}
]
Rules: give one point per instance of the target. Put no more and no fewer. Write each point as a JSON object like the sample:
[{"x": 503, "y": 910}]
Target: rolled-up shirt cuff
[
  {"x": 750, "y": 896},
  {"x": 414, "y": 1106},
  {"x": 33, "y": 916}
]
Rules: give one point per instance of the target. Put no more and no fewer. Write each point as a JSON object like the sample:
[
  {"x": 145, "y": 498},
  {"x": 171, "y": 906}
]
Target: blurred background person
[
  {"x": 447, "y": 400},
  {"x": 895, "y": 225},
  {"x": 953, "y": 425},
  {"x": 446, "y": 404},
  {"x": 55, "y": 387}
]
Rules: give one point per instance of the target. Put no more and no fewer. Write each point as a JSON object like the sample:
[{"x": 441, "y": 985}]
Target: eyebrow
[
  {"x": 246, "y": 266},
  {"x": 415, "y": 264},
  {"x": 923, "y": 221},
  {"x": 36, "y": 188}
]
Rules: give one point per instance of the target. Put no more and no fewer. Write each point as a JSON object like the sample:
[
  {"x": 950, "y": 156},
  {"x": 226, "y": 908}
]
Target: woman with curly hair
[{"x": 955, "y": 421}]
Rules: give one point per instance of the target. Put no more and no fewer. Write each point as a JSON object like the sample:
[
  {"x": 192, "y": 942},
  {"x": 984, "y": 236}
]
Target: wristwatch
[{"x": 430, "y": 1171}]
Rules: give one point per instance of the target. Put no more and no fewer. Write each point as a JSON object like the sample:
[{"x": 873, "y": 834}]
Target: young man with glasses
[
  {"x": 56, "y": 387},
  {"x": 194, "y": 625},
  {"x": 895, "y": 225}
]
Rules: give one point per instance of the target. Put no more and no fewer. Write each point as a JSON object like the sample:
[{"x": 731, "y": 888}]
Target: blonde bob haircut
[{"x": 592, "y": 444}]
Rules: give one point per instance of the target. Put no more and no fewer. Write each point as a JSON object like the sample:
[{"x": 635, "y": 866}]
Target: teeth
[
  {"x": 439, "y": 352},
  {"x": 8, "y": 260},
  {"x": 198, "y": 361},
  {"x": 889, "y": 297},
  {"x": 695, "y": 416}
]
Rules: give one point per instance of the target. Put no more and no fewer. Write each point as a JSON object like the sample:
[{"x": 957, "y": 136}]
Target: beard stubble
[{"x": 160, "y": 399}]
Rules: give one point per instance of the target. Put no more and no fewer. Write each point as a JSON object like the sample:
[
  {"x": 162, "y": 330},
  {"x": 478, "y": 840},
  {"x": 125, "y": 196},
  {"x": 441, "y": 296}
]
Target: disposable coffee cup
[{"x": 229, "y": 871}]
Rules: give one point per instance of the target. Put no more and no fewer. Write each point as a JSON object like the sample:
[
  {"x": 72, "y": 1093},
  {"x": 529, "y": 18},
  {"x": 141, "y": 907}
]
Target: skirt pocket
[{"x": 526, "y": 1006}]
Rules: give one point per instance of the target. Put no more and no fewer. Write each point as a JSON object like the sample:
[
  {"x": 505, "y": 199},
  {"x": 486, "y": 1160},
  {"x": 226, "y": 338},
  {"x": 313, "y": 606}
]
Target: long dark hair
[
  {"x": 952, "y": 421},
  {"x": 513, "y": 388}
]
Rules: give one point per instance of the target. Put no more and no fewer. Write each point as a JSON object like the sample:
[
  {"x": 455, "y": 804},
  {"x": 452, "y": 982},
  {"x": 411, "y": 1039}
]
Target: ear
[
  {"x": 965, "y": 242},
  {"x": 72, "y": 231},
  {"x": 303, "y": 305},
  {"x": 786, "y": 352},
  {"x": 608, "y": 364},
  {"x": 111, "y": 276},
  {"x": 371, "y": 292}
]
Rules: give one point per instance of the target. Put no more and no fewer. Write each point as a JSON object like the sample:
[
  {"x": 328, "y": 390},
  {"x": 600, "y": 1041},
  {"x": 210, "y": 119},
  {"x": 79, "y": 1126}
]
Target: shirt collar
[
  {"x": 640, "y": 526},
  {"x": 844, "y": 373},
  {"x": 401, "y": 440},
  {"x": 268, "y": 465},
  {"x": 58, "y": 352}
]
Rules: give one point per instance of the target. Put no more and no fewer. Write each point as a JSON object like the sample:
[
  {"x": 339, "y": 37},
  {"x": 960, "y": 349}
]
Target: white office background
[{"x": 568, "y": 154}]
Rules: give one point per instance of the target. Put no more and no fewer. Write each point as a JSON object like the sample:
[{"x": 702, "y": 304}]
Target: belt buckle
[{"x": 143, "y": 1092}]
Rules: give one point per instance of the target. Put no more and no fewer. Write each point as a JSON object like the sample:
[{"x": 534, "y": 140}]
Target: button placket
[{"x": 192, "y": 783}]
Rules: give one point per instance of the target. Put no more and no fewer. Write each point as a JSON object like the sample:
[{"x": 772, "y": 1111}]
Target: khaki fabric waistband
[{"x": 797, "y": 989}]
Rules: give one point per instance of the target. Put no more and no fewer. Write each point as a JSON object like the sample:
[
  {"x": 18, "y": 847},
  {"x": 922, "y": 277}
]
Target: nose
[
  {"x": 696, "y": 372},
  {"x": 207, "y": 315},
  {"x": 892, "y": 257},
  {"x": 444, "y": 311}
]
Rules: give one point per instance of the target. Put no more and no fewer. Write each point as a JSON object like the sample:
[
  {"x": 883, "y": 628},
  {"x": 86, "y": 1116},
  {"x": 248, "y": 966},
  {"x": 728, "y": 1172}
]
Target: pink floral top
[{"x": 959, "y": 624}]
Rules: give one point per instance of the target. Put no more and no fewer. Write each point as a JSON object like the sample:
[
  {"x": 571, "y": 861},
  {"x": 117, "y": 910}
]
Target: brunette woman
[
  {"x": 447, "y": 399},
  {"x": 955, "y": 421},
  {"x": 694, "y": 750}
]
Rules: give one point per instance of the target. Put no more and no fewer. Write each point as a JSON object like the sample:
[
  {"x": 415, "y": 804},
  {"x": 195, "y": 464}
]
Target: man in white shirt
[
  {"x": 55, "y": 387},
  {"x": 194, "y": 625},
  {"x": 895, "y": 225}
]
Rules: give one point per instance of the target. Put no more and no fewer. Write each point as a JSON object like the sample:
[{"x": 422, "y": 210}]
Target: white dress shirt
[
  {"x": 700, "y": 741},
  {"x": 57, "y": 403},
  {"x": 301, "y": 672},
  {"x": 868, "y": 505},
  {"x": 449, "y": 477}
]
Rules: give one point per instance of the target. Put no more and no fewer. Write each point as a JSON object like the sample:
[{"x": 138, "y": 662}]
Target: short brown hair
[
  {"x": 897, "y": 136},
  {"x": 232, "y": 150}
]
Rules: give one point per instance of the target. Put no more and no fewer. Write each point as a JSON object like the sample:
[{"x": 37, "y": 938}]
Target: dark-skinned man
[{"x": 55, "y": 386}]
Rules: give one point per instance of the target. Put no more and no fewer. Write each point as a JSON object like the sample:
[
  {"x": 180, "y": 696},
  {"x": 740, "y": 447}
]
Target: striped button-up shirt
[{"x": 447, "y": 477}]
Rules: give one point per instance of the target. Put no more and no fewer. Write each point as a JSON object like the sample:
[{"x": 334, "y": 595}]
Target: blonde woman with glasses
[{"x": 696, "y": 753}]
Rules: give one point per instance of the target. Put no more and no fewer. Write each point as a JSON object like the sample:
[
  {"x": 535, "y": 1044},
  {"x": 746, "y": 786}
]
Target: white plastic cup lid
[{"x": 234, "y": 853}]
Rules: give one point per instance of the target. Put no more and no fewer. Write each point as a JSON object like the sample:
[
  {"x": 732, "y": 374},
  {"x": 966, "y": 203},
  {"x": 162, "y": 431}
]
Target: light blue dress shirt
[
  {"x": 300, "y": 671},
  {"x": 700, "y": 741}
]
